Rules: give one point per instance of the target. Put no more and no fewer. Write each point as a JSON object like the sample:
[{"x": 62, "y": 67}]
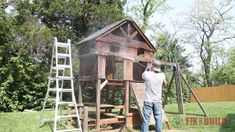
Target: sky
[{"x": 172, "y": 19}]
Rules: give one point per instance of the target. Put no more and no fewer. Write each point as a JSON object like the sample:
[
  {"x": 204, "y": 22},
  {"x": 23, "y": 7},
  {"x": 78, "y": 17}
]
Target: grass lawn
[
  {"x": 29, "y": 122},
  {"x": 196, "y": 121}
]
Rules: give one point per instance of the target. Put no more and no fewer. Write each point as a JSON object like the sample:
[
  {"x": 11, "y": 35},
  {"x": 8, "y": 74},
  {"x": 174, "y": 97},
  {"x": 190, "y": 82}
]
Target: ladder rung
[
  {"x": 60, "y": 78},
  {"x": 63, "y": 103},
  {"x": 61, "y": 67},
  {"x": 60, "y": 90},
  {"x": 60, "y": 55},
  {"x": 69, "y": 130},
  {"x": 63, "y": 45},
  {"x": 67, "y": 116}
]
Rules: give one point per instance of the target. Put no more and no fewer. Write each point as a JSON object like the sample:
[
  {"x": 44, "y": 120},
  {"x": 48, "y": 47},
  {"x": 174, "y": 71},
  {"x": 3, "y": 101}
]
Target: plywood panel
[
  {"x": 127, "y": 70},
  {"x": 101, "y": 67},
  {"x": 138, "y": 90}
]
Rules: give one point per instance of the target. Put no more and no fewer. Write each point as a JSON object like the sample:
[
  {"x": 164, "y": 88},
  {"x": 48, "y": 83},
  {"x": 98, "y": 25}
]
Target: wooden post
[
  {"x": 194, "y": 95},
  {"x": 85, "y": 119},
  {"x": 98, "y": 105},
  {"x": 127, "y": 100},
  {"x": 179, "y": 90},
  {"x": 80, "y": 97}
]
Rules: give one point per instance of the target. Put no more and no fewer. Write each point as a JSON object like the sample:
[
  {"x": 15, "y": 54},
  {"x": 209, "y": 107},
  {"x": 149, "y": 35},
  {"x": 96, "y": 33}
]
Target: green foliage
[
  {"x": 75, "y": 19},
  {"x": 226, "y": 72},
  {"x": 144, "y": 10},
  {"x": 25, "y": 43},
  {"x": 23, "y": 84},
  {"x": 208, "y": 28},
  {"x": 169, "y": 50}
]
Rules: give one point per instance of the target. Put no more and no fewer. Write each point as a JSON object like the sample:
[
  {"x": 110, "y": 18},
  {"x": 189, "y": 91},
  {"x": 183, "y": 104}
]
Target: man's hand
[{"x": 149, "y": 66}]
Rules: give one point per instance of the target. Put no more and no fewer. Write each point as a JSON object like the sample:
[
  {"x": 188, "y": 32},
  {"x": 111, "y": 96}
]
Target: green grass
[
  {"x": 21, "y": 122},
  {"x": 29, "y": 122},
  {"x": 215, "y": 109}
]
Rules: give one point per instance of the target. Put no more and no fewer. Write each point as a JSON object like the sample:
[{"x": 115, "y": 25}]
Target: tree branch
[{"x": 221, "y": 40}]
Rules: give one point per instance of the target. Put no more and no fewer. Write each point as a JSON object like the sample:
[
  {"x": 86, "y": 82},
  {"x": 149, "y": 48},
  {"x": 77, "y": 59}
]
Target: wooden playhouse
[{"x": 110, "y": 60}]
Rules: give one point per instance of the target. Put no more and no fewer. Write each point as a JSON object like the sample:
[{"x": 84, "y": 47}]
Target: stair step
[
  {"x": 62, "y": 45},
  {"x": 69, "y": 130}
]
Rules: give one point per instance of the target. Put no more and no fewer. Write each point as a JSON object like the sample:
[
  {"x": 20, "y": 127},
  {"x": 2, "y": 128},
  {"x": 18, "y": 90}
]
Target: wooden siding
[
  {"x": 215, "y": 94},
  {"x": 127, "y": 70}
]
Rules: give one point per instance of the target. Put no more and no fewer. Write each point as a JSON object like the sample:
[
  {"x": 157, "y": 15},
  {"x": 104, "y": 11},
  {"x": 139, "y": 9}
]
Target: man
[{"x": 154, "y": 80}]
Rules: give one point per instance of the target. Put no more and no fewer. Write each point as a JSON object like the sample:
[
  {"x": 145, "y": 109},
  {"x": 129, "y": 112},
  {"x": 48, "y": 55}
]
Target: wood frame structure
[{"x": 109, "y": 60}]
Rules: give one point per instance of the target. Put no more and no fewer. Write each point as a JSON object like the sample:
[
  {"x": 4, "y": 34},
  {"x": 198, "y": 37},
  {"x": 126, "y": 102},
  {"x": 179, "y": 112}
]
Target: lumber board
[{"x": 139, "y": 91}]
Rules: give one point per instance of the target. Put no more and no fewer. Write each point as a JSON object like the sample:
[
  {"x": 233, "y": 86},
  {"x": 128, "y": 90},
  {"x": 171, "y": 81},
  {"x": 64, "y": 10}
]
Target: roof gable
[{"x": 124, "y": 30}]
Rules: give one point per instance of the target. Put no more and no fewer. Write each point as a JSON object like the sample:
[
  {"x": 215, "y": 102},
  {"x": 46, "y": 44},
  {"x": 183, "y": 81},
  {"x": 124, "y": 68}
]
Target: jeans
[{"x": 148, "y": 108}]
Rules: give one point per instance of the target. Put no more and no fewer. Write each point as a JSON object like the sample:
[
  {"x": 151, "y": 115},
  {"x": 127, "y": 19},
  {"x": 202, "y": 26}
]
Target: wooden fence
[{"x": 215, "y": 94}]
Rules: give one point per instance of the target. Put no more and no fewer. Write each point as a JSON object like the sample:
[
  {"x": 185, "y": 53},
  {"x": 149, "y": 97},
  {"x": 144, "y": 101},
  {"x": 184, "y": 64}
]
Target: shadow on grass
[
  {"x": 191, "y": 114},
  {"x": 229, "y": 124}
]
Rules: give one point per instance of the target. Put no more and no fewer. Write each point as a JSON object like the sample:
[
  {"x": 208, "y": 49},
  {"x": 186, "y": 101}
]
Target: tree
[
  {"x": 169, "y": 50},
  {"x": 75, "y": 19},
  {"x": 208, "y": 28},
  {"x": 26, "y": 37},
  {"x": 143, "y": 10},
  {"x": 226, "y": 72}
]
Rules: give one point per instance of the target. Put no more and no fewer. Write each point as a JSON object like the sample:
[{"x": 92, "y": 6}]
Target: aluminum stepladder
[{"x": 61, "y": 82}]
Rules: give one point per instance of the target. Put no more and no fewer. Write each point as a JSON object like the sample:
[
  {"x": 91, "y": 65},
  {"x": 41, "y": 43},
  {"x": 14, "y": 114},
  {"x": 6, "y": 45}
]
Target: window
[
  {"x": 114, "y": 48},
  {"x": 140, "y": 52}
]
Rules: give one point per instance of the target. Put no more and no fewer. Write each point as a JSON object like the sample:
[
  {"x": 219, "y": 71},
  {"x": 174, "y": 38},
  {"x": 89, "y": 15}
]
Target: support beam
[
  {"x": 98, "y": 105},
  {"x": 194, "y": 95},
  {"x": 80, "y": 97},
  {"x": 127, "y": 89},
  {"x": 179, "y": 90},
  {"x": 85, "y": 119},
  {"x": 103, "y": 84}
]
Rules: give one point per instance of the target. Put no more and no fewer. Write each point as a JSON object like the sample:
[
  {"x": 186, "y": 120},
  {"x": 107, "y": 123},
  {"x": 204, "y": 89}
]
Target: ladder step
[
  {"x": 61, "y": 67},
  {"x": 63, "y": 103},
  {"x": 67, "y": 116},
  {"x": 60, "y": 90},
  {"x": 62, "y": 45},
  {"x": 61, "y": 78},
  {"x": 60, "y": 55},
  {"x": 69, "y": 130}
]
